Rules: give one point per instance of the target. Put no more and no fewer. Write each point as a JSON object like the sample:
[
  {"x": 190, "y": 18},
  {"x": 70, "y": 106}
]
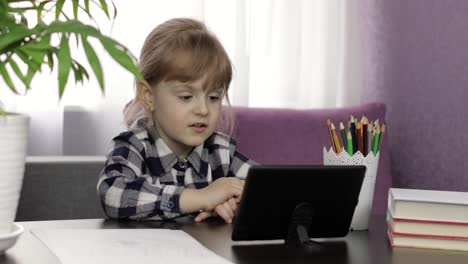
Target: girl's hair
[{"x": 182, "y": 49}]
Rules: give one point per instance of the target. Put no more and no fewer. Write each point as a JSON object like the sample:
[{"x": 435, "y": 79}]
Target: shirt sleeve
[
  {"x": 239, "y": 164},
  {"x": 125, "y": 188}
]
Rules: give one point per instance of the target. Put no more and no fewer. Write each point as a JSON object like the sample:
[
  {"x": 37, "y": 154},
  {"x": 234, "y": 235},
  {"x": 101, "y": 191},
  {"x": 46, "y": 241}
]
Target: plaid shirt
[{"x": 143, "y": 179}]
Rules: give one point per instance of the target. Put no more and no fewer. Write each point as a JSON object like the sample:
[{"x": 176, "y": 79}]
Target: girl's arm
[
  {"x": 240, "y": 164},
  {"x": 128, "y": 191}
]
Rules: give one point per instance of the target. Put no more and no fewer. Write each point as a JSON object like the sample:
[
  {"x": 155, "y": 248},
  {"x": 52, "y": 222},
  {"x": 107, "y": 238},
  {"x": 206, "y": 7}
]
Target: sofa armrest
[{"x": 60, "y": 187}]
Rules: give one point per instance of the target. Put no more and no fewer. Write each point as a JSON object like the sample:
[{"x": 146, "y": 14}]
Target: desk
[{"x": 359, "y": 247}]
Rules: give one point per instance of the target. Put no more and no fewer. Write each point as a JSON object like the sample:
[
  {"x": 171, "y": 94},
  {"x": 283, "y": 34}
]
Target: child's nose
[{"x": 202, "y": 107}]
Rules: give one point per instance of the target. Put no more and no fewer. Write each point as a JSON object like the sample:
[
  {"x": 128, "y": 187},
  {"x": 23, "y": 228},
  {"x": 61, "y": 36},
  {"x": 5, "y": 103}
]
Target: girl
[{"x": 171, "y": 161}]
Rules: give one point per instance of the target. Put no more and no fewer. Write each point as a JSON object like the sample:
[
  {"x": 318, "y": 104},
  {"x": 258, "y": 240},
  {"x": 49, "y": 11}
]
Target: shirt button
[{"x": 182, "y": 164}]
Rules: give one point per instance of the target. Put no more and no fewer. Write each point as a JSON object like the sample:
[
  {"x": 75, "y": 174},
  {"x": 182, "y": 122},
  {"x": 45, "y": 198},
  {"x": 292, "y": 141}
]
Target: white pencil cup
[{"x": 363, "y": 209}]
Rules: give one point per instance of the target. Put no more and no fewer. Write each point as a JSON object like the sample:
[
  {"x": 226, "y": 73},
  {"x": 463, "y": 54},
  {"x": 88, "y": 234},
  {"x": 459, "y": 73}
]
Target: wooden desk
[{"x": 359, "y": 247}]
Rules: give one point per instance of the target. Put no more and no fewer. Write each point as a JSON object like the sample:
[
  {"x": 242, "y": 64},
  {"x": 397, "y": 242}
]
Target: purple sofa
[{"x": 287, "y": 136}]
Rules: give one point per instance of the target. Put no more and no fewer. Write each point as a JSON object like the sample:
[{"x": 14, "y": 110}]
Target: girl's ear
[{"x": 145, "y": 95}]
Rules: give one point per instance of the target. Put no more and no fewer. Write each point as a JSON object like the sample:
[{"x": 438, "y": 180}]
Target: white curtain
[{"x": 286, "y": 53}]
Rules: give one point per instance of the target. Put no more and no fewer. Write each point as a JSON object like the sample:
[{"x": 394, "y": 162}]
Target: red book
[{"x": 427, "y": 241}]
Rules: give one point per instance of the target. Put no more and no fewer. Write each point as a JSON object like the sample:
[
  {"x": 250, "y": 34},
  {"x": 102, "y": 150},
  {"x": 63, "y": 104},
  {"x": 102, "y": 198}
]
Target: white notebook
[{"x": 137, "y": 246}]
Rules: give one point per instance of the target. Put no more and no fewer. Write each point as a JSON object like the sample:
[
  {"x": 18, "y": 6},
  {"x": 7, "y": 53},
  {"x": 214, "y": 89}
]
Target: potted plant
[{"x": 25, "y": 48}]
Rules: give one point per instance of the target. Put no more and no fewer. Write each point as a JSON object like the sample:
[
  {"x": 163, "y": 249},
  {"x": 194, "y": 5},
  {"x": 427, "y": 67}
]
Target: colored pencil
[
  {"x": 331, "y": 135},
  {"x": 369, "y": 139},
  {"x": 335, "y": 138},
  {"x": 376, "y": 140},
  {"x": 343, "y": 134},
  {"x": 382, "y": 132},
  {"x": 349, "y": 140},
  {"x": 352, "y": 128},
  {"x": 364, "y": 136}
]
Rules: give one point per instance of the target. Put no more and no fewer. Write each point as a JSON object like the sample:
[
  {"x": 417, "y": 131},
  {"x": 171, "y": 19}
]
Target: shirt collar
[{"x": 198, "y": 157}]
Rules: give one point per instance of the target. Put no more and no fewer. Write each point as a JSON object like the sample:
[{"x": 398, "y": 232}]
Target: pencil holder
[{"x": 363, "y": 209}]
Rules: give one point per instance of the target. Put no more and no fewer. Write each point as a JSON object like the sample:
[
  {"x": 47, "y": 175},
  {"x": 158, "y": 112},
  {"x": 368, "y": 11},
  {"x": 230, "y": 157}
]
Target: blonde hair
[{"x": 182, "y": 49}]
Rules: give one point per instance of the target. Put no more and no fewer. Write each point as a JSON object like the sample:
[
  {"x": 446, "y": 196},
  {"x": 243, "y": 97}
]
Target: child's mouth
[{"x": 199, "y": 127}]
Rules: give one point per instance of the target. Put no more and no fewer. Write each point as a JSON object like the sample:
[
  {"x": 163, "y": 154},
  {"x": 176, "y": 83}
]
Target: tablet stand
[{"x": 301, "y": 220}]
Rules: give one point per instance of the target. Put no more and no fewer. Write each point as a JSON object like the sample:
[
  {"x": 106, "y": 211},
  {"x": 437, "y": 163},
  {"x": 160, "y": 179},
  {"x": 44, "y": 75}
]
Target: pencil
[
  {"x": 364, "y": 136},
  {"x": 343, "y": 134},
  {"x": 352, "y": 128},
  {"x": 331, "y": 135},
  {"x": 349, "y": 140},
  {"x": 376, "y": 140},
  {"x": 382, "y": 131},
  {"x": 335, "y": 138},
  {"x": 359, "y": 137},
  {"x": 369, "y": 139}
]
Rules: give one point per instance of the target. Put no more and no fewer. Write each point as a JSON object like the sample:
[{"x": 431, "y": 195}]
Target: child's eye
[
  {"x": 214, "y": 98},
  {"x": 185, "y": 97}
]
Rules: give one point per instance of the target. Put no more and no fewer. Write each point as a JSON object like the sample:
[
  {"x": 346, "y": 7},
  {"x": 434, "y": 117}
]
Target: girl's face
[{"x": 185, "y": 114}]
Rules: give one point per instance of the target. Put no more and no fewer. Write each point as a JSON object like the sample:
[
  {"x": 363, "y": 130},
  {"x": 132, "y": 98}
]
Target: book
[
  {"x": 428, "y": 242},
  {"x": 428, "y": 205},
  {"x": 424, "y": 227}
]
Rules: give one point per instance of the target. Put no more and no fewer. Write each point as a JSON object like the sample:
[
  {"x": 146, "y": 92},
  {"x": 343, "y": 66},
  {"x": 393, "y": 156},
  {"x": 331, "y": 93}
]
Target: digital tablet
[{"x": 278, "y": 199}]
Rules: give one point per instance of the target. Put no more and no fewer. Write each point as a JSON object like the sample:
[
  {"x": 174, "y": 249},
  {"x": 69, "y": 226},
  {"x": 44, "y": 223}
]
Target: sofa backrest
[
  {"x": 286, "y": 136},
  {"x": 65, "y": 187}
]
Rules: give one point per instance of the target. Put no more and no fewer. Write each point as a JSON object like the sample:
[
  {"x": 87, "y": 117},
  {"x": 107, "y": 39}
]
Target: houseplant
[{"x": 36, "y": 34}]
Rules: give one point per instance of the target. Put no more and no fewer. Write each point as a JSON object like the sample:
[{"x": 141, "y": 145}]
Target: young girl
[{"x": 171, "y": 161}]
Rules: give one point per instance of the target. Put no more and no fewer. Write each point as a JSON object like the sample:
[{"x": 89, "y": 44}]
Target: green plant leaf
[
  {"x": 77, "y": 74},
  {"x": 26, "y": 79},
  {"x": 35, "y": 55},
  {"x": 20, "y": 10},
  {"x": 58, "y": 8},
  {"x": 64, "y": 64},
  {"x": 25, "y": 58},
  {"x": 86, "y": 4},
  {"x": 50, "y": 59},
  {"x": 75, "y": 9},
  {"x": 79, "y": 71},
  {"x": 83, "y": 70},
  {"x": 42, "y": 43},
  {"x": 16, "y": 34},
  {"x": 24, "y": 20},
  {"x": 93, "y": 61},
  {"x": 72, "y": 26},
  {"x": 29, "y": 76},
  {"x": 115, "y": 10},
  {"x": 14, "y": 66},
  {"x": 121, "y": 55},
  {"x": 6, "y": 78},
  {"x": 40, "y": 8},
  {"x": 104, "y": 7}
]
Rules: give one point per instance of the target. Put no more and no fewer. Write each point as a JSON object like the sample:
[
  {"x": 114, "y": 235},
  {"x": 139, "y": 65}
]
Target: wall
[{"x": 415, "y": 59}]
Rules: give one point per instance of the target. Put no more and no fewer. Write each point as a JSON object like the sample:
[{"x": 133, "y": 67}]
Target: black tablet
[{"x": 297, "y": 201}]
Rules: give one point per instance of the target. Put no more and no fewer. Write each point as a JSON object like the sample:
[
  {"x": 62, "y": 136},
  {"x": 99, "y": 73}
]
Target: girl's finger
[
  {"x": 202, "y": 216},
  {"x": 221, "y": 211},
  {"x": 228, "y": 209},
  {"x": 233, "y": 204}
]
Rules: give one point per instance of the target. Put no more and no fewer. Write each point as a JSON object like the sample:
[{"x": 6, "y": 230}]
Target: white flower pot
[{"x": 14, "y": 130}]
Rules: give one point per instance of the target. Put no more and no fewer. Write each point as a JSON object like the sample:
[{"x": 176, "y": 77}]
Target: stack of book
[{"x": 428, "y": 219}]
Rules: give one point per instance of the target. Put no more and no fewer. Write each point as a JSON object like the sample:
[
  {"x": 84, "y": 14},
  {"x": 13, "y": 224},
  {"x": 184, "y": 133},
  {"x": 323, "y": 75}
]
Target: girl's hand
[
  {"x": 220, "y": 191},
  {"x": 225, "y": 210}
]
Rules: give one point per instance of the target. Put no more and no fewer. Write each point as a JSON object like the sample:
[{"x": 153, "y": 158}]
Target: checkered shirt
[{"x": 143, "y": 179}]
